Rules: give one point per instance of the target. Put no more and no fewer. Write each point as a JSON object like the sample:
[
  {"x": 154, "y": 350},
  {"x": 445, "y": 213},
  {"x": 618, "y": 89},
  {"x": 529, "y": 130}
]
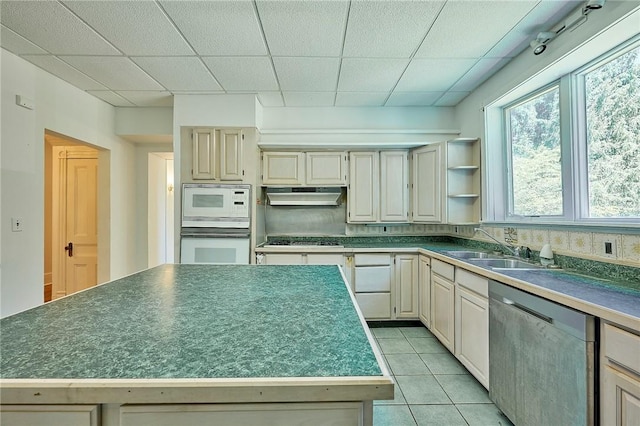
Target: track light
[
  {"x": 539, "y": 45},
  {"x": 594, "y": 4}
]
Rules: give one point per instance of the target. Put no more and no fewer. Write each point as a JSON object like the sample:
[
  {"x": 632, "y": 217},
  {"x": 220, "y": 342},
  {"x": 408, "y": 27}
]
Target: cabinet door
[
  {"x": 326, "y": 168},
  {"x": 363, "y": 195},
  {"x": 283, "y": 259},
  {"x": 427, "y": 184},
  {"x": 406, "y": 274},
  {"x": 375, "y": 305},
  {"x": 394, "y": 186},
  {"x": 47, "y": 415},
  {"x": 282, "y": 168},
  {"x": 620, "y": 398},
  {"x": 424, "y": 291},
  {"x": 472, "y": 333},
  {"x": 231, "y": 154},
  {"x": 204, "y": 154},
  {"x": 442, "y": 310}
]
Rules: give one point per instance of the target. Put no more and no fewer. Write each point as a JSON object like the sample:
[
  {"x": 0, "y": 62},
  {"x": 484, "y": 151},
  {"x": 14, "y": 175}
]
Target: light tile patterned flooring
[{"x": 432, "y": 387}]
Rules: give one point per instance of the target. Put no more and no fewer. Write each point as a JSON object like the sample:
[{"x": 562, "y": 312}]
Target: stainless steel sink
[
  {"x": 467, "y": 254},
  {"x": 503, "y": 264}
]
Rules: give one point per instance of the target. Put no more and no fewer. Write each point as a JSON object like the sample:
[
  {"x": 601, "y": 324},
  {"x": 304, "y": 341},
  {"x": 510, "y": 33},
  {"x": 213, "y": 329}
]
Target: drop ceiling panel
[
  {"x": 356, "y": 99},
  {"x": 182, "y": 73},
  {"x": 54, "y": 28},
  {"x": 469, "y": 29},
  {"x": 148, "y": 98},
  {"x": 225, "y": 28},
  {"x": 271, "y": 99},
  {"x": 17, "y": 44},
  {"x": 111, "y": 98},
  {"x": 243, "y": 74},
  {"x": 134, "y": 27},
  {"x": 307, "y": 74},
  {"x": 413, "y": 98},
  {"x": 117, "y": 73},
  {"x": 304, "y": 28},
  {"x": 308, "y": 99},
  {"x": 450, "y": 99},
  {"x": 433, "y": 75},
  {"x": 478, "y": 74},
  {"x": 370, "y": 75},
  {"x": 65, "y": 71},
  {"x": 388, "y": 29}
]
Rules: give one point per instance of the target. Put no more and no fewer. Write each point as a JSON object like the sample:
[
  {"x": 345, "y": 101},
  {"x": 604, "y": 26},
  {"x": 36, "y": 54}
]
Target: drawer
[
  {"x": 621, "y": 347},
  {"x": 374, "y": 305},
  {"x": 372, "y": 259},
  {"x": 370, "y": 279},
  {"x": 443, "y": 269},
  {"x": 473, "y": 282}
]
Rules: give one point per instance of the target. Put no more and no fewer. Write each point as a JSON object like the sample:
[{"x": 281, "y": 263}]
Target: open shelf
[{"x": 463, "y": 181}]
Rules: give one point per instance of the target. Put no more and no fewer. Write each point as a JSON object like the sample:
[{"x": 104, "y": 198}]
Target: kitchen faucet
[{"x": 515, "y": 251}]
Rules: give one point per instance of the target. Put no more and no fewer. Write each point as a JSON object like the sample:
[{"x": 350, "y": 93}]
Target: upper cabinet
[
  {"x": 463, "y": 181},
  {"x": 426, "y": 184},
  {"x": 296, "y": 168},
  {"x": 217, "y": 154},
  {"x": 378, "y": 186}
]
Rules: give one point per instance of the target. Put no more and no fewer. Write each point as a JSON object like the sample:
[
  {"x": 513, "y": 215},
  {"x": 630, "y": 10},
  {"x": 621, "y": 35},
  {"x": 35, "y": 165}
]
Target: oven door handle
[{"x": 214, "y": 235}]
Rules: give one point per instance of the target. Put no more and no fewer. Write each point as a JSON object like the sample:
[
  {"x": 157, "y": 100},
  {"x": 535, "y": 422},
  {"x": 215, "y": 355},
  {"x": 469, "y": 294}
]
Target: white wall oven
[{"x": 215, "y": 224}]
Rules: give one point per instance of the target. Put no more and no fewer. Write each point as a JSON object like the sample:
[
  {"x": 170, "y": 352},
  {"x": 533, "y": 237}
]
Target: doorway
[
  {"x": 160, "y": 225},
  {"x": 71, "y": 216}
]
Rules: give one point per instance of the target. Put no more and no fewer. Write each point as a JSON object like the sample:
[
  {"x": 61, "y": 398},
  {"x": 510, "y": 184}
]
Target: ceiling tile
[
  {"x": 413, "y": 98},
  {"x": 117, "y": 73},
  {"x": 479, "y": 73},
  {"x": 148, "y": 98},
  {"x": 310, "y": 99},
  {"x": 450, "y": 99},
  {"x": 355, "y": 99},
  {"x": 433, "y": 75},
  {"x": 179, "y": 73},
  {"x": 225, "y": 28},
  {"x": 307, "y": 74},
  {"x": 134, "y": 27},
  {"x": 111, "y": 98},
  {"x": 17, "y": 44},
  {"x": 34, "y": 20},
  {"x": 271, "y": 99},
  {"x": 304, "y": 28},
  {"x": 246, "y": 74},
  {"x": 370, "y": 75},
  {"x": 469, "y": 29},
  {"x": 64, "y": 71},
  {"x": 388, "y": 29}
]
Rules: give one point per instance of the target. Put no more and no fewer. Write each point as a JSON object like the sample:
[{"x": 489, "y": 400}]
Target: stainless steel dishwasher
[{"x": 541, "y": 359}]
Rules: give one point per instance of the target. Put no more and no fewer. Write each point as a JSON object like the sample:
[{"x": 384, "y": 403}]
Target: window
[
  {"x": 534, "y": 150},
  {"x": 612, "y": 116},
  {"x": 572, "y": 147}
]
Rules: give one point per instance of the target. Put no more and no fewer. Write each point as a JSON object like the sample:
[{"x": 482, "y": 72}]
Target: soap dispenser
[{"x": 546, "y": 255}]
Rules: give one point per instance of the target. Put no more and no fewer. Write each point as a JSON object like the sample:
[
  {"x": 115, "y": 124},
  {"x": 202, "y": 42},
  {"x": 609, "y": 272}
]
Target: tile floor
[{"x": 432, "y": 387}]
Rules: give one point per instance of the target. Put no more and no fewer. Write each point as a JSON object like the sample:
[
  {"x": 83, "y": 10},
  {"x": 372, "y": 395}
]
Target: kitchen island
[{"x": 197, "y": 344}]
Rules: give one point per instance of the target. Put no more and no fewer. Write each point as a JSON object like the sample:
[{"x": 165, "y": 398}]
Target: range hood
[{"x": 305, "y": 196}]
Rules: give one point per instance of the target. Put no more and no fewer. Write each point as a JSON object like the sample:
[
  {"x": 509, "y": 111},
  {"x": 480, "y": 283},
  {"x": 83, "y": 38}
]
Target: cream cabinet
[
  {"x": 378, "y": 187},
  {"x": 443, "y": 303},
  {"x": 217, "y": 154},
  {"x": 619, "y": 376},
  {"x": 426, "y": 184},
  {"x": 296, "y": 168},
  {"x": 472, "y": 324},
  {"x": 463, "y": 181},
  {"x": 304, "y": 259},
  {"x": 373, "y": 276},
  {"x": 48, "y": 415},
  {"x": 424, "y": 290},
  {"x": 406, "y": 270}
]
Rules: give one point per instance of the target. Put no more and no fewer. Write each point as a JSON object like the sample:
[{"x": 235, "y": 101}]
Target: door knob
[{"x": 69, "y": 249}]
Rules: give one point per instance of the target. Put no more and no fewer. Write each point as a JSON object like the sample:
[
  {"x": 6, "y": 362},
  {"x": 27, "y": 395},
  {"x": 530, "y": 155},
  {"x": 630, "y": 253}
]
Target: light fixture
[{"x": 577, "y": 18}]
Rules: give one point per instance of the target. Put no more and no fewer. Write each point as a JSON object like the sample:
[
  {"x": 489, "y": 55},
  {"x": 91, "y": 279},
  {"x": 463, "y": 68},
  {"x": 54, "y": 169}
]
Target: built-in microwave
[{"x": 215, "y": 205}]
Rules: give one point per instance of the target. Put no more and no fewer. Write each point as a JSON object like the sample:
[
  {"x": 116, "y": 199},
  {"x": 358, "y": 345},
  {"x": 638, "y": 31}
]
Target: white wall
[{"x": 69, "y": 111}]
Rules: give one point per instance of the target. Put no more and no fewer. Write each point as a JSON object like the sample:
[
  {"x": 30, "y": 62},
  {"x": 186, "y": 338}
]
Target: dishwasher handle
[{"x": 527, "y": 310}]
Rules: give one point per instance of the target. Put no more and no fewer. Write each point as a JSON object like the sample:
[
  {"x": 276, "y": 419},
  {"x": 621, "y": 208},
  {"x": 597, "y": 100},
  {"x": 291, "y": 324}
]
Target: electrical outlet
[
  {"x": 16, "y": 224},
  {"x": 609, "y": 248}
]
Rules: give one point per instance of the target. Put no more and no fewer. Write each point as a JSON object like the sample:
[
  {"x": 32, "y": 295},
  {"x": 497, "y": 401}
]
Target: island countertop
[{"x": 202, "y": 325}]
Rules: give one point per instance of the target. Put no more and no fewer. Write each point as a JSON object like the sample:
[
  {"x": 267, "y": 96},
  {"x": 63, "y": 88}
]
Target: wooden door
[
  {"x": 231, "y": 154},
  {"x": 394, "y": 186},
  {"x": 427, "y": 195},
  {"x": 363, "y": 196},
  {"x": 406, "y": 270},
  {"x": 282, "y": 168},
  {"x": 81, "y": 269},
  {"x": 204, "y": 154}
]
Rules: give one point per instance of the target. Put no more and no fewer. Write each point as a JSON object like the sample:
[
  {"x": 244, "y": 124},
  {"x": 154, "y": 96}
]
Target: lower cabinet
[
  {"x": 619, "y": 377},
  {"x": 443, "y": 303},
  {"x": 372, "y": 276},
  {"x": 424, "y": 290},
  {"x": 406, "y": 277},
  {"x": 49, "y": 415},
  {"x": 472, "y": 324}
]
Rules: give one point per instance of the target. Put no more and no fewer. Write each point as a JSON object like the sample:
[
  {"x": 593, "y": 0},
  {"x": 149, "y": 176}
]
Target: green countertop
[{"x": 195, "y": 321}]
